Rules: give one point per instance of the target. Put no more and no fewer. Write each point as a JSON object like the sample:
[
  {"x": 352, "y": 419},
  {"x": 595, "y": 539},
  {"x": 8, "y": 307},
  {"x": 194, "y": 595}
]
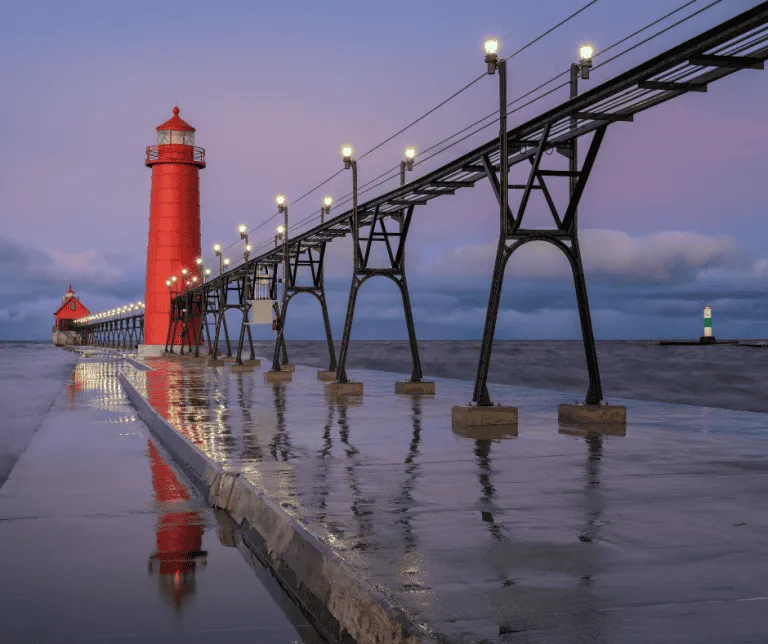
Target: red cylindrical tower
[{"x": 174, "y": 222}]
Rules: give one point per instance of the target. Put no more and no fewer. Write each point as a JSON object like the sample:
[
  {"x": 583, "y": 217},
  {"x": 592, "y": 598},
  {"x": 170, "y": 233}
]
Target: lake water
[{"x": 726, "y": 376}]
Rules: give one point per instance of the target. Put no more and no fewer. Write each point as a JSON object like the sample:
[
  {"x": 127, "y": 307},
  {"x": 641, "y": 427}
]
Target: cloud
[
  {"x": 609, "y": 256},
  {"x": 35, "y": 280}
]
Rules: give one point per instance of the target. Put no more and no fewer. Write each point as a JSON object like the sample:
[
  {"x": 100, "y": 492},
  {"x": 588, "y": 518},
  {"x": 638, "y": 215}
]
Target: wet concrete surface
[
  {"x": 31, "y": 375},
  {"x": 103, "y": 539},
  {"x": 552, "y": 535}
]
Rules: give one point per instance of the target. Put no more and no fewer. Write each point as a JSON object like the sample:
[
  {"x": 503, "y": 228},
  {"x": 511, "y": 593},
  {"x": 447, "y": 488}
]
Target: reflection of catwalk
[
  {"x": 362, "y": 506},
  {"x": 483, "y": 453},
  {"x": 281, "y": 441},
  {"x": 404, "y": 501},
  {"x": 179, "y": 535},
  {"x": 252, "y": 450}
]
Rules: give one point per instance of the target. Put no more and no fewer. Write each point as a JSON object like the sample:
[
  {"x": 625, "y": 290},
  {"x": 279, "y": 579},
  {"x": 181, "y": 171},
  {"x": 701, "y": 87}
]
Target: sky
[{"x": 672, "y": 219}]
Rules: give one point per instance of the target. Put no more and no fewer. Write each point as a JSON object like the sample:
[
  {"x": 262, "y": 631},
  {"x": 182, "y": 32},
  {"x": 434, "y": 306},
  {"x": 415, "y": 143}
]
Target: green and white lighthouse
[{"x": 707, "y": 338}]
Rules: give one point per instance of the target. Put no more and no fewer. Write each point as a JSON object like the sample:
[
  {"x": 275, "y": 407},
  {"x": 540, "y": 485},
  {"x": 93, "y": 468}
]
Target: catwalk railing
[{"x": 737, "y": 44}]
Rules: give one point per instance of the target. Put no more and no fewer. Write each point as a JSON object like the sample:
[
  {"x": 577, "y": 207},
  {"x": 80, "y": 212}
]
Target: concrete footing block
[
  {"x": 325, "y": 374},
  {"x": 410, "y": 387},
  {"x": 150, "y": 351},
  {"x": 474, "y": 416},
  {"x": 278, "y": 376},
  {"x": 288, "y": 367},
  {"x": 241, "y": 368},
  {"x": 344, "y": 388},
  {"x": 252, "y": 363},
  {"x": 593, "y": 416}
]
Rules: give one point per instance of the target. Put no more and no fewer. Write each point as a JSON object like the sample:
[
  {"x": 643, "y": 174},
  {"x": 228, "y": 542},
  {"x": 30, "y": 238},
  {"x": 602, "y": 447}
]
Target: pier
[
  {"x": 346, "y": 505},
  {"x": 546, "y": 533}
]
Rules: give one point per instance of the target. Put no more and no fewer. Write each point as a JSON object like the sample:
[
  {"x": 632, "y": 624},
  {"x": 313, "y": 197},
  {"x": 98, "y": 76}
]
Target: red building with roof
[{"x": 71, "y": 309}]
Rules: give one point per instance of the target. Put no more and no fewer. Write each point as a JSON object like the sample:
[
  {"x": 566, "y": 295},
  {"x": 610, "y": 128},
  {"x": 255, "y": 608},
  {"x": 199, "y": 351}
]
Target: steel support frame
[
  {"x": 310, "y": 257},
  {"x": 225, "y": 287},
  {"x": 362, "y": 272},
  {"x": 564, "y": 237}
]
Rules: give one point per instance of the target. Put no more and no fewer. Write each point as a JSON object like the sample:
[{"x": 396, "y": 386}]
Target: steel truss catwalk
[{"x": 737, "y": 44}]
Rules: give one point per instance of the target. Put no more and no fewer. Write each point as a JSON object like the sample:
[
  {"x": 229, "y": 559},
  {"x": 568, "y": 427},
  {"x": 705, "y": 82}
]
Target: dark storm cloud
[{"x": 34, "y": 282}]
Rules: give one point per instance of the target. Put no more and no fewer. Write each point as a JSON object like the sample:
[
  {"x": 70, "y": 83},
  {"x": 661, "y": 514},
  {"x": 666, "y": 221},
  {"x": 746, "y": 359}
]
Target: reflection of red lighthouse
[
  {"x": 174, "y": 221},
  {"x": 179, "y": 535}
]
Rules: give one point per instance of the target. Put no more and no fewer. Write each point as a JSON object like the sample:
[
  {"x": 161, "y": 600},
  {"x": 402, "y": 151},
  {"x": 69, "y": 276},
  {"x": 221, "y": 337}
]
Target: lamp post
[
  {"x": 282, "y": 206},
  {"x": 206, "y": 274},
  {"x": 491, "y": 46},
  {"x": 578, "y": 70},
  {"x": 325, "y": 209},
  {"x": 347, "y": 152},
  {"x": 200, "y": 267},
  {"x": 407, "y": 163},
  {"x": 217, "y": 252},
  {"x": 350, "y": 163},
  {"x": 174, "y": 279}
]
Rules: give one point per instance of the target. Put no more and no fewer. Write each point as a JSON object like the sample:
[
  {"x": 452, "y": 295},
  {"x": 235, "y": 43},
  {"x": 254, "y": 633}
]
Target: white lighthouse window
[
  {"x": 163, "y": 137},
  {"x": 177, "y": 136},
  {"x": 189, "y": 138}
]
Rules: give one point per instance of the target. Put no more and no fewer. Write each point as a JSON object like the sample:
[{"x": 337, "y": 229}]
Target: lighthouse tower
[{"x": 174, "y": 222}]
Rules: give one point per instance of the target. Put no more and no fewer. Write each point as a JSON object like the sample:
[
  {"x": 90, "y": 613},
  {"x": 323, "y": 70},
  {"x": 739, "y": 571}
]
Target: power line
[{"x": 375, "y": 182}]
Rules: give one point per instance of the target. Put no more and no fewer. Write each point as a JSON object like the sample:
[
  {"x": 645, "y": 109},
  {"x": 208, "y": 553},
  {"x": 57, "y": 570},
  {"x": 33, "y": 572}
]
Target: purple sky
[{"x": 673, "y": 216}]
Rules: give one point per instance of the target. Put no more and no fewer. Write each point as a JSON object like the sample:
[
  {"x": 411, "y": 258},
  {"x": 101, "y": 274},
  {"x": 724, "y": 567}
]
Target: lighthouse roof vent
[{"x": 176, "y": 123}]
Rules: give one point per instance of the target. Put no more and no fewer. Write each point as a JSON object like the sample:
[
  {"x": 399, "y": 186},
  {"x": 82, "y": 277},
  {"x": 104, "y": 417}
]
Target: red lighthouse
[{"x": 174, "y": 222}]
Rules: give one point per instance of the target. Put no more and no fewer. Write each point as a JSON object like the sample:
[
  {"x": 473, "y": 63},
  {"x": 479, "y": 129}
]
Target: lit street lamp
[
  {"x": 407, "y": 163},
  {"x": 491, "y": 46},
  {"x": 325, "y": 209},
  {"x": 217, "y": 252},
  {"x": 586, "y": 52}
]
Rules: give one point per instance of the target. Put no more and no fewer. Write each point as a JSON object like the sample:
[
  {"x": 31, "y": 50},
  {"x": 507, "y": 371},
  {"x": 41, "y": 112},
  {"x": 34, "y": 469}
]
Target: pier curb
[{"x": 343, "y": 606}]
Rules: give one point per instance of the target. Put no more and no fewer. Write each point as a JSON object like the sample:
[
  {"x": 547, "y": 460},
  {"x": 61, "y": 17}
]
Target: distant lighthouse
[
  {"x": 707, "y": 338},
  {"x": 174, "y": 222}
]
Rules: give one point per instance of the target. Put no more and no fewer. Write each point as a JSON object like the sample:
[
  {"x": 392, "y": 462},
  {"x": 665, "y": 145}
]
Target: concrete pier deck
[
  {"x": 548, "y": 535},
  {"x": 102, "y": 539}
]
